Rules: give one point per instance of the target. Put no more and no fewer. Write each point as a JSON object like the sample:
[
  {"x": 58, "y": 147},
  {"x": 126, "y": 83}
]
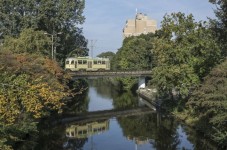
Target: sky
[{"x": 105, "y": 19}]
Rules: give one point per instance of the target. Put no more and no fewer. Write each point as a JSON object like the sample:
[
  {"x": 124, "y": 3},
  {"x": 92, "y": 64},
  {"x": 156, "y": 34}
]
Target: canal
[{"x": 153, "y": 131}]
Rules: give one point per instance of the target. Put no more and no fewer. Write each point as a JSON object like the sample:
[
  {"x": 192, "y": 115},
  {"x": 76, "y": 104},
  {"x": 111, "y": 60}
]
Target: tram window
[
  {"x": 80, "y": 132},
  {"x": 67, "y": 62},
  {"x": 95, "y": 130},
  {"x": 99, "y": 61},
  {"x": 84, "y": 61},
  {"x": 72, "y": 62},
  {"x": 79, "y": 61},
  {"x": 85, "y": 131},
  {"x": 72, "y": 133},
  {"x": 103, "y": 62},
  {"x": 95, "y": 61}
]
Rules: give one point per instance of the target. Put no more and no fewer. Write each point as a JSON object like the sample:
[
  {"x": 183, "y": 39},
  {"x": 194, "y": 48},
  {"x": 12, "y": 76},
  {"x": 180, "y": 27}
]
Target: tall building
[{"x": 140, "y": 25}]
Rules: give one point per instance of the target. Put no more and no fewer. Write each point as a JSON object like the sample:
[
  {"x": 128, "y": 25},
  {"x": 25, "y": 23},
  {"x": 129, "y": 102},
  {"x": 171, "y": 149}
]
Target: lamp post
[{"x": 52, "y": 43}]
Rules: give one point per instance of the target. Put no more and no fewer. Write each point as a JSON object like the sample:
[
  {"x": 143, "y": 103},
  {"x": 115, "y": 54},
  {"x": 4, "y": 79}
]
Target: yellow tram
[{"x": 87, "y": 64}]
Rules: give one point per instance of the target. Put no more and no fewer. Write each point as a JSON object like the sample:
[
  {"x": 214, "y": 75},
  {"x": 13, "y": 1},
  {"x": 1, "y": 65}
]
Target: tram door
[
  {"x": 89, "y": 64},
  {"x": 75, "y": 64}
]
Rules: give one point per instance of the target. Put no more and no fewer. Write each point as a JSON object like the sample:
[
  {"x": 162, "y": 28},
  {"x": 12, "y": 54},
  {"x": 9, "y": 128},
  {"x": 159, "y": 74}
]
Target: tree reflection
[
  {"x": 77, "y": 104},
  {"x": 51, "y": 138},
  {"x": 125, "y": 100},
  {"x": 162, "y": 135},
  {"x": 104, "y": 88},
  {"x": 75, "y": 144},
  {"x": 198, "y": 139}
]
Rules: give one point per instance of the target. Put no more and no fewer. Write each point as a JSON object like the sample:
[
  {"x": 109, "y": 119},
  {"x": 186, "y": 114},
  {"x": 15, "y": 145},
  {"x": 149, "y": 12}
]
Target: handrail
[{"x": 112, "y": 73}]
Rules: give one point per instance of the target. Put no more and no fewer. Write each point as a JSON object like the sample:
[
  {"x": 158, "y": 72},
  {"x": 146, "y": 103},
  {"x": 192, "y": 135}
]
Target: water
[
  {"x": 98, "y": 102},
  {"x": 142, "y": 132}
]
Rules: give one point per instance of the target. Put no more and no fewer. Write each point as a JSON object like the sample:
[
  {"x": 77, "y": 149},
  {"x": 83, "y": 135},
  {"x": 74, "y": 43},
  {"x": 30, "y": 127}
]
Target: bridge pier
[{"x": 142, "y": 84}]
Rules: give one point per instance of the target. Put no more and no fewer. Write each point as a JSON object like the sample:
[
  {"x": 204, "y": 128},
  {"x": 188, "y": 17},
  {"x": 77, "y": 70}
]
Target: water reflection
[
  {"x": 126, "y": 100},
  {"x": 87, "y": 129},
  {"x": 161, "y": 133},
  {"x": 152, "y": 131},
  {"x": 148, "y": 132},
  {"x": 78, "y": 134},
  {"x": 104, "y": 88}
]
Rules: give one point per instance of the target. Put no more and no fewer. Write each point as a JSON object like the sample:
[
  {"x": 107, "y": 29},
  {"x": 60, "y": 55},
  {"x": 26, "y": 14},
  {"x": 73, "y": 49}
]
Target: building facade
[{"x": 140, "y": 25}]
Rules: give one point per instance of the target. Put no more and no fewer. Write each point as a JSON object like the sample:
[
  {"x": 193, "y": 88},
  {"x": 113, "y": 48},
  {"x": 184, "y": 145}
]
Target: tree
[
  {"x": 208, "y": 104},
  {"x": 49, "y": 16},
  {"x": 108, "y": 54},
  {"x": 30, "y": 84},
  {"x": 135, "y": 53},
  {"x": 184, "y": 51},
  {"x": 72, "y": 43},
  {"x": 29, "y": 41},
  {"x": 219, "y": 25}
]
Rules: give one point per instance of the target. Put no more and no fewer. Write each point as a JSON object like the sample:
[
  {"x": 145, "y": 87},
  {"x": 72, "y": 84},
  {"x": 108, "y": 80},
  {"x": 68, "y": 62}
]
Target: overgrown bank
[{"x": 187, "y": 59}]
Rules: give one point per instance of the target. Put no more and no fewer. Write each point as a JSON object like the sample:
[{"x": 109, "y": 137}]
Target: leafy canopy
[
  {"x": 50, "y": 16},
  {"x": 184, "y": 52},
  {"x": 29, "y": 41},
  {"x": 219, "y": 25},
  {"x": 30, "y": 84},
  {"x": 209, "y": 103},
  {"x": 135, "y": 54}
]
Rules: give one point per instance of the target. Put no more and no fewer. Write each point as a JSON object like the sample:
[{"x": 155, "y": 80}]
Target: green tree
[
  {"x": 208, "y": 104},
  {"x": 29, "y": 41},
  {"x": 219, "y": 25},
  {"x": 135, "y": 53},
  {"x": 50, "y": 16},
  {"x": 184, "y": 51},
  {"x": 47, "y": 15},
  {"x": 108, "y": 54}
]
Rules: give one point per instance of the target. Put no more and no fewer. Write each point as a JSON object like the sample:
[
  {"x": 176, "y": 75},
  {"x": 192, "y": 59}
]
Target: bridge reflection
[
  {"x": 87, "y": 129},
  {"x": 101, "y": 115}
]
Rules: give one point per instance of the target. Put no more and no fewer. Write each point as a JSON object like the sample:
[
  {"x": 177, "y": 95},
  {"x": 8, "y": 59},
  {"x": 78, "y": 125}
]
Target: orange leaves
[
  {"x": 29, "y": 85},
  {"x": 21, "y": 58}
]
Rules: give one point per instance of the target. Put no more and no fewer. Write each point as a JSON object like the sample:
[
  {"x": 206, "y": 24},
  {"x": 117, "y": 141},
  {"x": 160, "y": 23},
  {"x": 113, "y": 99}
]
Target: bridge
[{"x": 101, "y": 74}]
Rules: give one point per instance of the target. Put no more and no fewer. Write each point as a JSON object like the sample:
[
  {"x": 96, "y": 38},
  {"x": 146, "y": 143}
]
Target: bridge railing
[{"x": 112, "y": 73}]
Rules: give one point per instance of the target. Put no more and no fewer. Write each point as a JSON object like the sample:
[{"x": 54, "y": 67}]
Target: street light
[{"x": 52, "y": 42}]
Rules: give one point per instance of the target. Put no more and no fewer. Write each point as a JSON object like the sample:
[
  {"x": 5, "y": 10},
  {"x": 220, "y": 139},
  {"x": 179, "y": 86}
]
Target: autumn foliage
[{"x": 30, "y": 84}]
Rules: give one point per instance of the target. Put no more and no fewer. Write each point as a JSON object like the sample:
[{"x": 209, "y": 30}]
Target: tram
[{"x": 87, "y": 64}]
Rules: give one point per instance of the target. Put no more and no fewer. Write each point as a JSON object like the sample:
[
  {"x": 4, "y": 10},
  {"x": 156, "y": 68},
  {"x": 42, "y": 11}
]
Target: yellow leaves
[
  {"x": 30, "y": 84},
  {"x": 36, "y": 97}
]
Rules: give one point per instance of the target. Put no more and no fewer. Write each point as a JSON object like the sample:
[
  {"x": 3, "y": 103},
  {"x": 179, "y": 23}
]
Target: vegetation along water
[{"x": 189, "y": 72}]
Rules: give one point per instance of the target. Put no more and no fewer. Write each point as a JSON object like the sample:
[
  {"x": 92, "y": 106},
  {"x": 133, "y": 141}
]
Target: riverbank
[{"x": 151, "y": 96}]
